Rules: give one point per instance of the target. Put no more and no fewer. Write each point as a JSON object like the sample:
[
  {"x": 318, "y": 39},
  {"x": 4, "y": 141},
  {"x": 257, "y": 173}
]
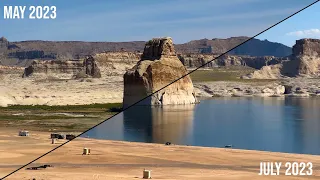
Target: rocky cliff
[
  {"x": 193, "y": 60},
  {"x": 307, "y": 47},
  {"x": 304, "y": 62},
  {"x": 64, "y": 69},
  {"x": 158, "y": 67},
  {"x": 197, "y": 60},
  {"x": 116, "y": 63},
  {"x": 256, "y": 62}
]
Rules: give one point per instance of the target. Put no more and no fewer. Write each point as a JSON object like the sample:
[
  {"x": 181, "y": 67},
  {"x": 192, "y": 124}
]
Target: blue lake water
[{"x": 272, "y": 124}]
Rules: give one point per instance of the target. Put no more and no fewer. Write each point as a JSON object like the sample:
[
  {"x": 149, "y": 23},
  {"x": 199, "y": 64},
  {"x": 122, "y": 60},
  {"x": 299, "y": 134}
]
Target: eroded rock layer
[
  {"x": 304, "y": 62},
  {"x": 83, "y": 68},
  {"x": 158, "y": 67},
  {"x": 211, "y": 60},
  {"x": 116, "y": 63}
]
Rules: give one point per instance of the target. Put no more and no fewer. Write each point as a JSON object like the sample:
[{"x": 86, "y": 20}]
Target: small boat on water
[{"x": 228, "y": 146}]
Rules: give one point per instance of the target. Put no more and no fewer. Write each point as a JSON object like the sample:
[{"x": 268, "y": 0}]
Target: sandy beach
[{"x": 126, "y": 160}]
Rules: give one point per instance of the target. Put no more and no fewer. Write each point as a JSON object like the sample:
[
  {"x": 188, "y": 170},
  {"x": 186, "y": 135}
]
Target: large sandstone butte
[
  {"x": 86, "y": 67},
  {"x": 304, "y": 62},
  {"x": 158, "y": 67}
]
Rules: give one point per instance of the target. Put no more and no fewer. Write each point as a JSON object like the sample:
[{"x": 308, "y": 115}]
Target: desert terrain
[
  {"x": 41, "y": 101},
  {"x": 126, "y": 160}
]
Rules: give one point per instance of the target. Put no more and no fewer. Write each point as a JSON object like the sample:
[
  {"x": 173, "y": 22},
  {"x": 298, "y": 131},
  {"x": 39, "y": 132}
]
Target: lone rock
[{"x": 159, "y": 66}]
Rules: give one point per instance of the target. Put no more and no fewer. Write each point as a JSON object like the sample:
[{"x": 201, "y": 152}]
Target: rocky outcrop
[
  {"x": 158, "y": 67},
  {"x": 4, "y": 43},
  {"x": 304, "y": 62},
  {"x": 192, "y": 60},
  {"x": 239, "y": 89},
  {"x": 116, "y": 63},
  {"x": 307, "y": 47},
  {"x": 52, "y": 67},
  {"x": 59, "y": 68},
  {"x": 91, "y": 68},
  {"x": 250, "y": 61},
  {"x": 210, "y": 61}
]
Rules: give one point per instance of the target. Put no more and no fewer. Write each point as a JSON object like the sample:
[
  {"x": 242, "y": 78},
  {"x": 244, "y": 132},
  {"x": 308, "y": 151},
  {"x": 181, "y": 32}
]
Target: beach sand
[{"x": 126, "y": 160}]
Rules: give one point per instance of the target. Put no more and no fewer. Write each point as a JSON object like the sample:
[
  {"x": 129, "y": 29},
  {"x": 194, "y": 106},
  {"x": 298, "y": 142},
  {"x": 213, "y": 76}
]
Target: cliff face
[
  {"x": 53, "y": 67},
  {"x": 116, "y": 63},
  {"x": 250, "y": 61},
  {"x": 158, "y": 67},
  {"x": 197, "y": 60},
  {"x": 305, "y": 62},
  {"x": 58, "y": 68},
  {"x": 306, "y": 47}
]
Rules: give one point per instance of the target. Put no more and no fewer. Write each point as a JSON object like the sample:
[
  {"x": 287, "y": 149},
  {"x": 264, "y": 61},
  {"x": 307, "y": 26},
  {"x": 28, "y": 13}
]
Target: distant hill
[
  {"x": 13, "y": 52},
  {"x": 254, "y": 47}
]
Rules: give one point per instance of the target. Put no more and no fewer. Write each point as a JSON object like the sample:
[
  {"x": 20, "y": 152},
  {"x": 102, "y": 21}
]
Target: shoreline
[
  {"x": 214, "y": 147},
  {"x": 261, "y": 95}
]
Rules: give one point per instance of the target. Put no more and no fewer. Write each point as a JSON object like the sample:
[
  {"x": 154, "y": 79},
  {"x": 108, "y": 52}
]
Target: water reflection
[
  {"x": 272, "y": 124},
  {"x": 149, "y": 124}
]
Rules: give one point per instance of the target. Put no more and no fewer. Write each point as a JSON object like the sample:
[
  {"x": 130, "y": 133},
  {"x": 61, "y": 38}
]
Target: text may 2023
[{"x": 30, "y": 12}]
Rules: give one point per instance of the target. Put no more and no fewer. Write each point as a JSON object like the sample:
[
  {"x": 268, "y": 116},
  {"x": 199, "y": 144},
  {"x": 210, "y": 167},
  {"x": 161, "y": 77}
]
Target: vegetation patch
[
  {"x": 57, "y": 118},
  {"x": 64, "y": 108}
]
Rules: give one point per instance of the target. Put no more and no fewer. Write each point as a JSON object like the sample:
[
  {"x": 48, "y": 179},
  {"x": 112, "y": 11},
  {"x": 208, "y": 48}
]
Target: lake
[{"x": 279, "y": 124}]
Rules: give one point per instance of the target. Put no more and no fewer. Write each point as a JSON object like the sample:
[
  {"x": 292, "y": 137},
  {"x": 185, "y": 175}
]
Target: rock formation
[
  {"x": 192, "y": 60},
  {"x": 4, "y": 43},
  {"x": 116, "y": 63},
  {"x": 250, "y": 61},
  {"x": 69, "y": 68},
  {"x": 304, "y": 62},
  {"x": 307, "y": 47},
  {"x": 91, "y": 68},
  {"x": 196, "y": 60},
  {"x": 158, "y": 67}
]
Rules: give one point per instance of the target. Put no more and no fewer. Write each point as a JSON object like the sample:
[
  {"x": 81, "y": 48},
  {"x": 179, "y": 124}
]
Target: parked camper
[
  {"x": 57, "y": 136},
  {"x": 70, "y": 136},
  {"x": 23, "y": 133}
]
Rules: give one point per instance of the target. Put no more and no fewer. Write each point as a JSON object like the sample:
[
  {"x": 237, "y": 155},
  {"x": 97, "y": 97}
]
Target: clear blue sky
[{"x": 183, "y": 20}]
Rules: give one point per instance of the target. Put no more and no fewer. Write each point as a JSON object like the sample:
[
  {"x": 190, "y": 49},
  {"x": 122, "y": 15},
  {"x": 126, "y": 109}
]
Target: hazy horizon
[{"x": 144, "y": 40}]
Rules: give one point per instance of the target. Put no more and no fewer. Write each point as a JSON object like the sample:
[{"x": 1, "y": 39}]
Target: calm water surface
[{"x": 272, "y": 124}]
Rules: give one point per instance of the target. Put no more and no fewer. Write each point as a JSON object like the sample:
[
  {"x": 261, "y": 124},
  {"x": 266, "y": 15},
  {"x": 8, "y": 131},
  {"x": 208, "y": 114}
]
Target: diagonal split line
[{"x": 165, "y": 86}]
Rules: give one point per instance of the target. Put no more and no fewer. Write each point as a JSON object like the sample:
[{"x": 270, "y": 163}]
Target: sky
[{"x": 183, "y": 20}]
